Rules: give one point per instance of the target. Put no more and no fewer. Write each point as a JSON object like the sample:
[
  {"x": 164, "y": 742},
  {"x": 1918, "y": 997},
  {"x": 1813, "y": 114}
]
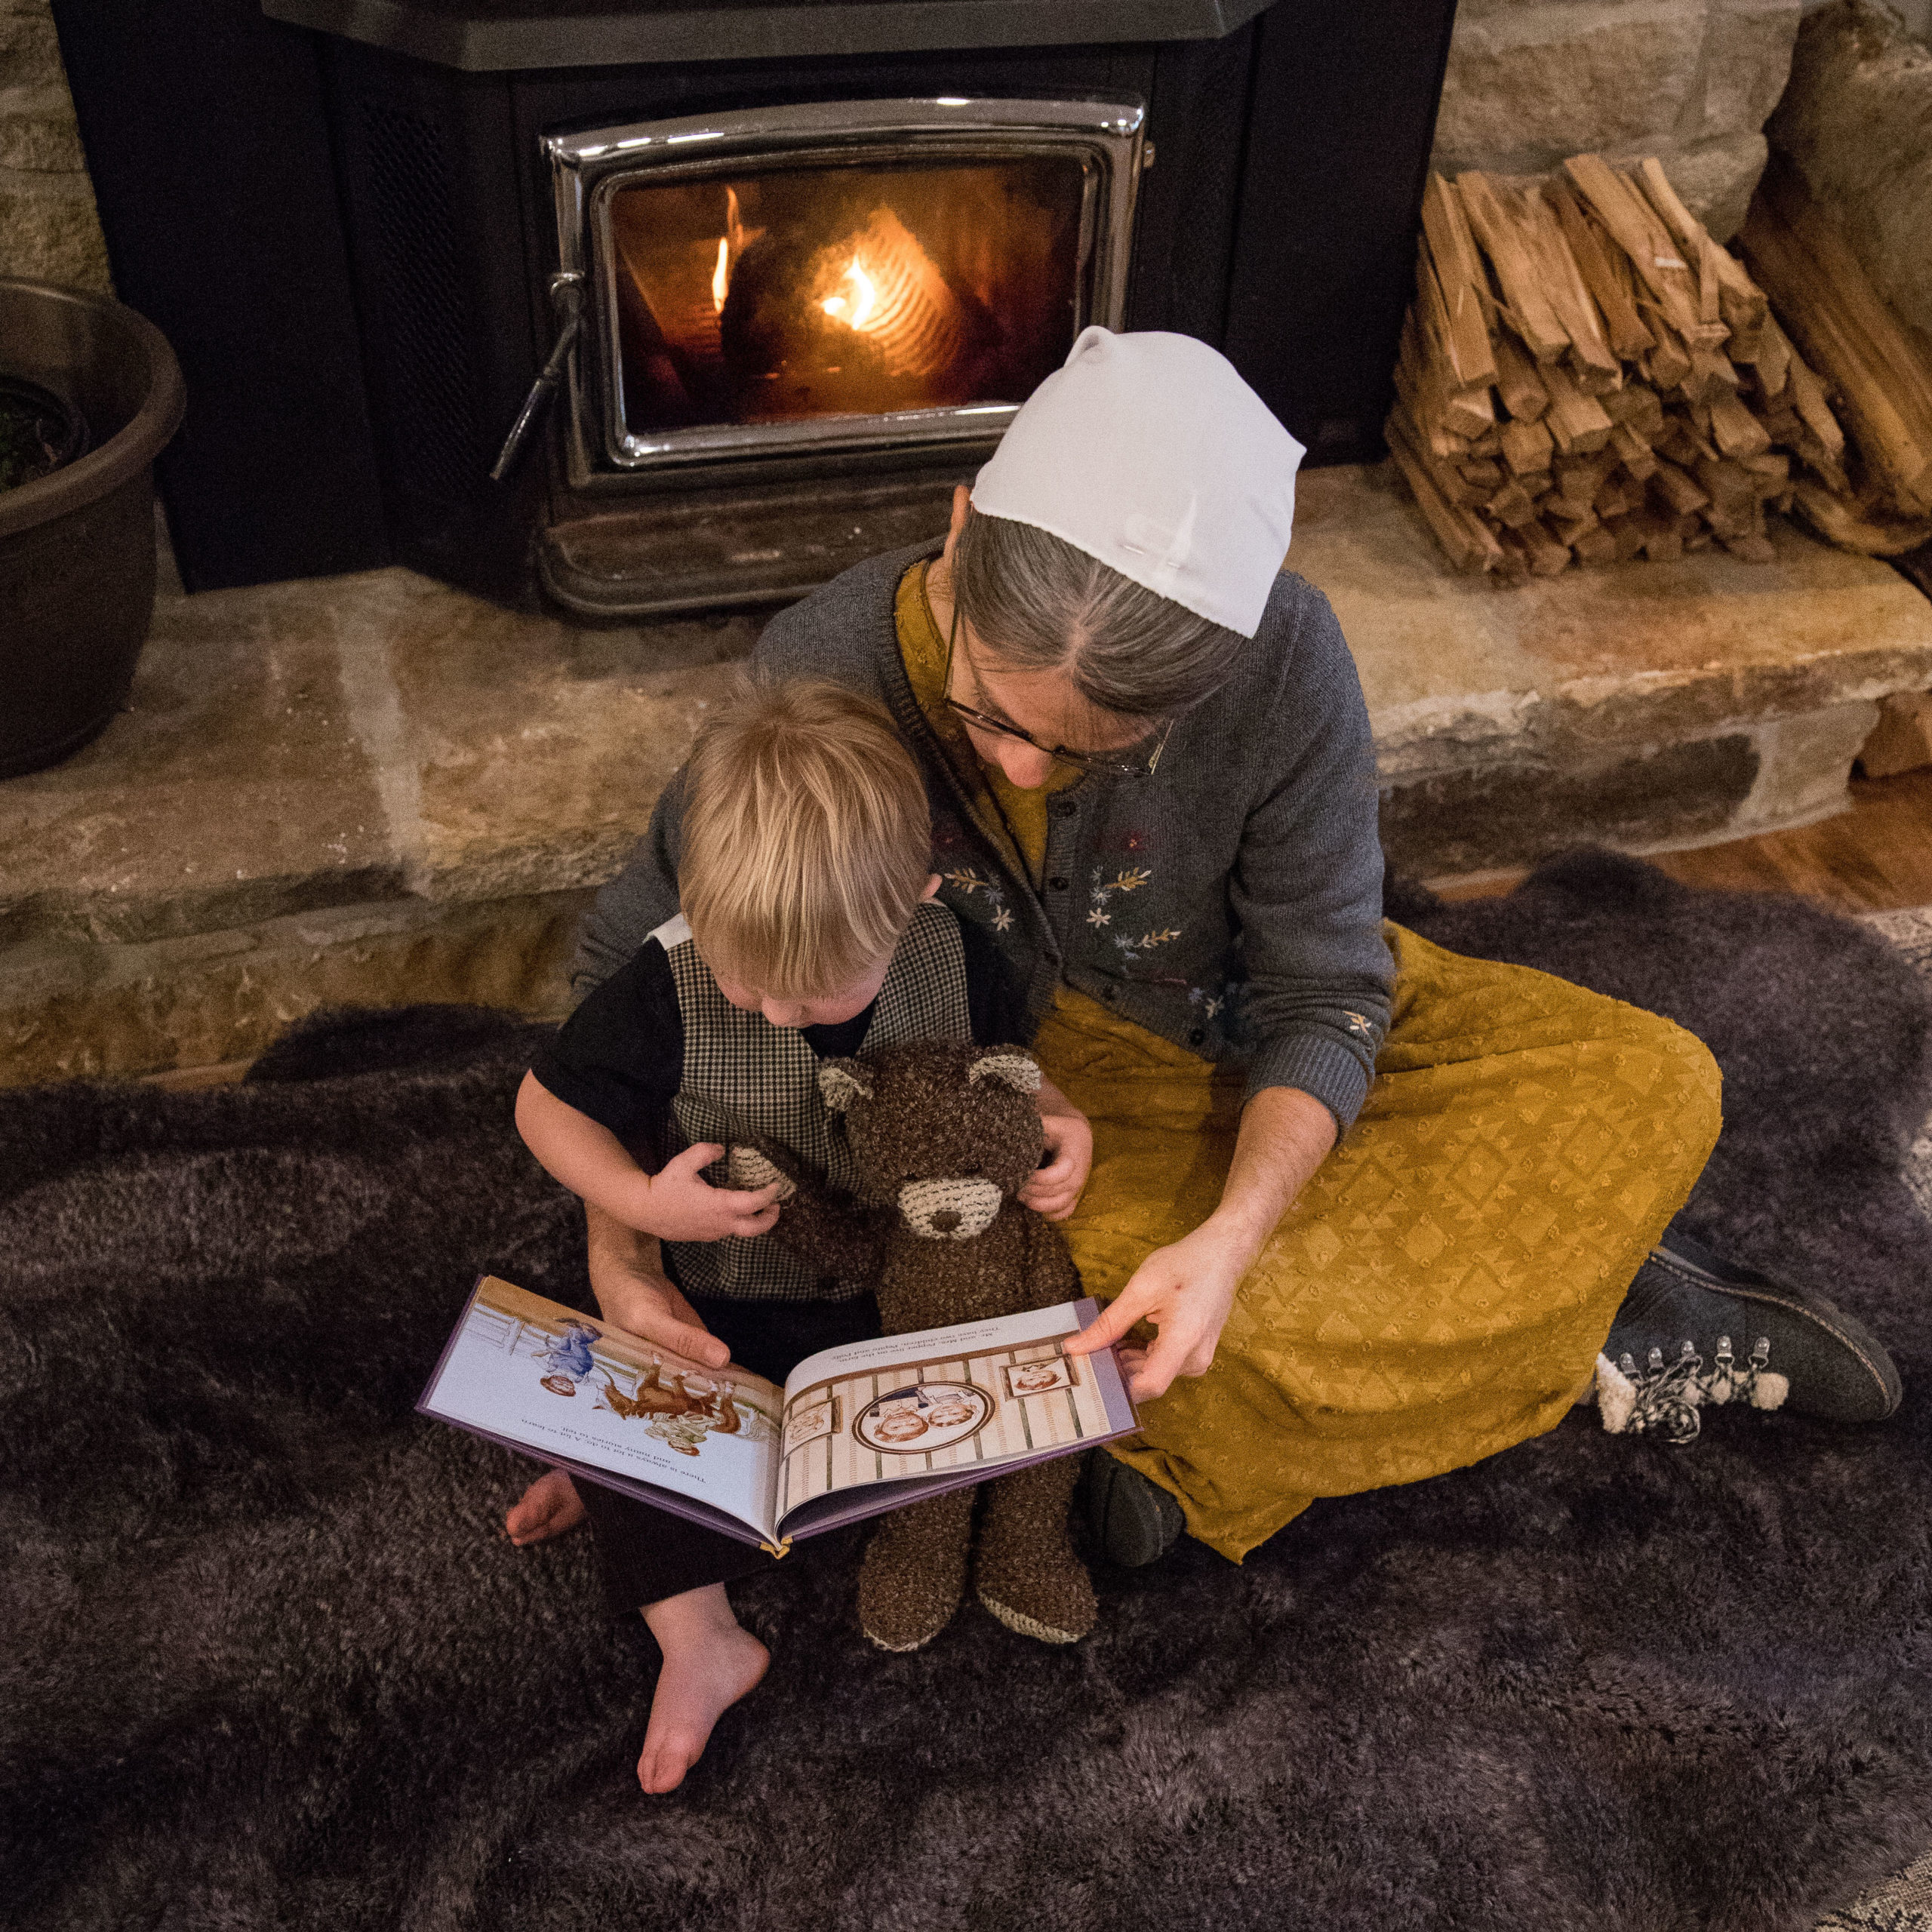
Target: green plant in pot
[{"x": 90, "y": 394}]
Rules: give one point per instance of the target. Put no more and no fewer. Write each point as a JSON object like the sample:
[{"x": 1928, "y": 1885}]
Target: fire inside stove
[{"x": 789, "y": 294}]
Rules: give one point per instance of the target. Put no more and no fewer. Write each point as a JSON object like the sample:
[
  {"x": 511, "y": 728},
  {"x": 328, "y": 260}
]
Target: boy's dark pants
[{"x": 649, "y": 1554}]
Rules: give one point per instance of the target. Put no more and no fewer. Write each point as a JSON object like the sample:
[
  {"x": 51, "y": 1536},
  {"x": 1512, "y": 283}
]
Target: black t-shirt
[{"x": 619, "y": 1057}]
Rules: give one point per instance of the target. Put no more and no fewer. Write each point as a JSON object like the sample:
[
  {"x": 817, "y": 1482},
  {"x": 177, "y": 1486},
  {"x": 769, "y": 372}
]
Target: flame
[
  {"x": 731, "y": 244},
  {"x": 891, "y": 291},
  {"x": 855, "y": 314}
]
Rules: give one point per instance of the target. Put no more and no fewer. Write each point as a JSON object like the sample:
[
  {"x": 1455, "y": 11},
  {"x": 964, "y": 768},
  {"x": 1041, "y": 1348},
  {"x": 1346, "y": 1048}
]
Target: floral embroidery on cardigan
[
  {"x": 966, "y": 880},
  {"x": 1132, "y": 949},
  {"x": 1101, "y": 889}
]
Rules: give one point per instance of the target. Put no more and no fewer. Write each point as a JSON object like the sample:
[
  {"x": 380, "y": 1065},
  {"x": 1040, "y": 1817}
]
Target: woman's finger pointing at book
[
  {"x": 1113, "y": 1321},
  {"x": 1185, "y": 1291}
]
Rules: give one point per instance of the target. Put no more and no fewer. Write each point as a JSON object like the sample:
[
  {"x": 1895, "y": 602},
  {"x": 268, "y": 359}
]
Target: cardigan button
[
  {"x": 1058, "y": 884},
  {"x": 1062, "y": 807},
  {"x": 1195, "y": 1038}
]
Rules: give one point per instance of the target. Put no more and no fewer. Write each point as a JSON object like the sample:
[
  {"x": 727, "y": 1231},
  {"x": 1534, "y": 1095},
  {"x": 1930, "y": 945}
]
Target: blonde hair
[{"x": 807, "y": 840}]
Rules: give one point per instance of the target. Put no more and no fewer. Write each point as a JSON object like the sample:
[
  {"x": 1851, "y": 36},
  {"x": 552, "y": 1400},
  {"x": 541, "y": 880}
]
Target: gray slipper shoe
[
  {"x": 1131, "y": 1520},
  {"x": 1686, "y": 1301}
]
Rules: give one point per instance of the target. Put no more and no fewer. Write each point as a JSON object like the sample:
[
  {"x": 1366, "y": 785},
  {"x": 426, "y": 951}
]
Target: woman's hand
[
  {"x": 1186, "y": 1291},
  {"x": 677, "y": 1204},
  {"x": 1054, "y": 1190},
  {"x": 637, "y": 1298}
]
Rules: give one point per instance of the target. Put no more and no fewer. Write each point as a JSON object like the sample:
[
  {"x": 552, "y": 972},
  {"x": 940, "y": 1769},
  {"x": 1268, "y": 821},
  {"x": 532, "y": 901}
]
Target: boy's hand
[
  {"x": 638, "y": 1299},
  {"x": 677, "y": 1204},
  {"x": 1054, "y": 1190}
]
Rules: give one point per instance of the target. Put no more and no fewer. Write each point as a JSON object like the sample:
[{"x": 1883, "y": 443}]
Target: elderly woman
[{"x": 1373, "y": 1210}]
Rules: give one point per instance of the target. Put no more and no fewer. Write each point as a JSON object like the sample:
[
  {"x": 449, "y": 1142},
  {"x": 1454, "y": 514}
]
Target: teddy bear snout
[{"x": 949, "y": 1210}]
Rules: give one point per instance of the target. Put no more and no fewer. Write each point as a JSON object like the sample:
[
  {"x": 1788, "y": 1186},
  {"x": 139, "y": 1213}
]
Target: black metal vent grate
[{"x": 431, "y": 388}]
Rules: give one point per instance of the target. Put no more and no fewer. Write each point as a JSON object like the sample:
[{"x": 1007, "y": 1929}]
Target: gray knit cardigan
[{"x": 1231, "y": 902}]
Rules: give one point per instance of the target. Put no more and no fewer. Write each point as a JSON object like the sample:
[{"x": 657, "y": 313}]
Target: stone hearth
[
  {"x": 1647, "y": 706},
  {"x": 378, "y": 789},
  {"x": 367, "y": 790}
]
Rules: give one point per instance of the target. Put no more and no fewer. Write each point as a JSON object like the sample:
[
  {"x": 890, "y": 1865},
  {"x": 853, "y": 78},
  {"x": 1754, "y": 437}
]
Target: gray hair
[{"x": 1040, "y": 604}]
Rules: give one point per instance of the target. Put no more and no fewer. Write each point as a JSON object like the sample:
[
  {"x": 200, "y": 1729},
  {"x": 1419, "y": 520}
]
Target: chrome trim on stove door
[{"x": 588, "y": 168}]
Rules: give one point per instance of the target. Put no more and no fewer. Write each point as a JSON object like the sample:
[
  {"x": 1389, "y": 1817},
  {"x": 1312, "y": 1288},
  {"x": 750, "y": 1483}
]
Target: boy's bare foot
[
  {"x": 550, "y": 1506},
  {"x": 710, "y": 1661}
]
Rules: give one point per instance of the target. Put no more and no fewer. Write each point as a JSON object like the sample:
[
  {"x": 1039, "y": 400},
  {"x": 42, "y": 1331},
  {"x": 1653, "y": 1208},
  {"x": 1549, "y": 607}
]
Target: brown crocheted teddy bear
[{"x": 943, "y": 1137}]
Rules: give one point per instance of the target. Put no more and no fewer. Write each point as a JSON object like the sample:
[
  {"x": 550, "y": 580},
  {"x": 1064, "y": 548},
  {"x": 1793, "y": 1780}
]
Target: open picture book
[{"x": 855, "y": 1431}]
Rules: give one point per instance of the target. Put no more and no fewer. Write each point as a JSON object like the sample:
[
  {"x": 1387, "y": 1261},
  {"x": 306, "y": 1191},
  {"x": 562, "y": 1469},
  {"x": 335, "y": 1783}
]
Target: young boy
[{"x": 808, "y": 930}]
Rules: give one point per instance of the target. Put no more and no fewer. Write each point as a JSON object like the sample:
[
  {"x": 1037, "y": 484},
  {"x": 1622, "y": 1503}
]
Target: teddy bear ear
[
  {"x": 842, "y": 1081},
  {"x": 1015, "y": 1068}
]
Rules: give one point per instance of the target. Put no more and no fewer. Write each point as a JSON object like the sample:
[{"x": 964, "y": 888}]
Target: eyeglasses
[{"x": 1130, "y": 761}]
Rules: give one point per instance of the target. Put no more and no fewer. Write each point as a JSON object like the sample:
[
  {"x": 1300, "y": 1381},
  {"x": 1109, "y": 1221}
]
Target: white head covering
[{"x": 1148, "y": 452}]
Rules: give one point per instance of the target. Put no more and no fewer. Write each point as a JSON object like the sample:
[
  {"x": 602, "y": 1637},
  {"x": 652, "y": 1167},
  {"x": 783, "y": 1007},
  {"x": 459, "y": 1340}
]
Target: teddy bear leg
[
  {"x": 1026, "y": 1573},
  {"x": 914, "y": 1571}
]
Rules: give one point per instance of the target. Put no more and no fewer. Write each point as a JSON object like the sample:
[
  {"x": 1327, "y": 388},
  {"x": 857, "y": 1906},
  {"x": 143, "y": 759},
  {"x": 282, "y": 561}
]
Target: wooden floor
[{"x": 1875, "y": 858}]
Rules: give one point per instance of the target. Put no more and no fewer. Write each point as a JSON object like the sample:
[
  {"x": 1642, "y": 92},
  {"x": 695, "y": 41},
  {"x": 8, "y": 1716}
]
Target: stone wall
[
  {"x": 49, "y": 231},
  {"x": 1529, "y": 82},
  {"x": 1857, "y": 123},
  {"x": 1915, "y": 16},
  {"x": 1691, "y": 81}
]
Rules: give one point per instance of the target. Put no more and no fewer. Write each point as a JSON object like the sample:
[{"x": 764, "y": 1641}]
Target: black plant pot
[{"x": 77, "y": 555}]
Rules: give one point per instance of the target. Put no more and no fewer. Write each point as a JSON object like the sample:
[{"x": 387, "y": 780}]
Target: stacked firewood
[
  {"x": 1586, "y": 376},
  {"x": 1879, "y": 373}
]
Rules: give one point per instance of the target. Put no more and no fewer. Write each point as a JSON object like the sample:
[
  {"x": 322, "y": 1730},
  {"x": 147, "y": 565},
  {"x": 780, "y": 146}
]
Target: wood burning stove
[
  {"x": 847, "y": 275},
  {"x": 751, "y": 293},
  {"x": 806, "y": 258}
]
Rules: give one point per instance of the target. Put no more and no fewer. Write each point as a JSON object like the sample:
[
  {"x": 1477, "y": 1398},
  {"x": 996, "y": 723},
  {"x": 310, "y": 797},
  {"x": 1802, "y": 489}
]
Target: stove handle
[{"x": 567, "y": 304}]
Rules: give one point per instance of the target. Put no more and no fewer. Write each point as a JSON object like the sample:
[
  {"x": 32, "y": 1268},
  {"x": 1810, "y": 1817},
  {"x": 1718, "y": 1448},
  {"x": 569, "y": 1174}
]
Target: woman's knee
[{"x": 1688, "y": 1083}]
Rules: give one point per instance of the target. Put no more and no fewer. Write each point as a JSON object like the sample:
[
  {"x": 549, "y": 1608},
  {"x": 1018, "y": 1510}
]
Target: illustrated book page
[
  {"x": 542, "y": 1378},
  {"x": 873, "y": 1425},
  {"x": 856, "y": 1431}
]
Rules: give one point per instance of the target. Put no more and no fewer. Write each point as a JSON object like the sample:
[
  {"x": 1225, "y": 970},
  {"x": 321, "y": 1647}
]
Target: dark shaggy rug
[{"x": 268, "y": 1663}]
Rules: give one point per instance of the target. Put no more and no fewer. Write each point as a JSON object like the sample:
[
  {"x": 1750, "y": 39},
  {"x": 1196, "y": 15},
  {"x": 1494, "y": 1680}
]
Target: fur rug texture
[
  {"x": 1911, "y": 932},
  {"x": 269, "y": 1663}
]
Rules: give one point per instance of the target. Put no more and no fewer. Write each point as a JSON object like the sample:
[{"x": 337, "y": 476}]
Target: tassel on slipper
[{"x": 1667, "y": 1399}]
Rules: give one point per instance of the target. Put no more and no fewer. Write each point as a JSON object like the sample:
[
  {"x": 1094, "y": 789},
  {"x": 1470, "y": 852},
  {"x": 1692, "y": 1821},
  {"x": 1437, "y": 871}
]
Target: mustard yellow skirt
[{"x": 1441, "y": 1288}]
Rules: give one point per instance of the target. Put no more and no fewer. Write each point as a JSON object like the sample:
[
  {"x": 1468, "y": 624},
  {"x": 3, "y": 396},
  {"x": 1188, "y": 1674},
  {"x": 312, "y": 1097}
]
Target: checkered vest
[{"x": 743, "y": 1075}]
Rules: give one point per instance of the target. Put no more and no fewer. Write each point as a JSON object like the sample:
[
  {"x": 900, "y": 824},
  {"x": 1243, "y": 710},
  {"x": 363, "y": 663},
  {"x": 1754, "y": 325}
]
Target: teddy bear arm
[
  {"x": 1051, "y": 1275},
  {"x": 830, "y": 1234},
  {"x": 836, "y": 1239}
]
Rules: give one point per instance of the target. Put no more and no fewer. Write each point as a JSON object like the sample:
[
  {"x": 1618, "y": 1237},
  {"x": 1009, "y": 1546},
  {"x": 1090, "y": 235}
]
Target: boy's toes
[
  {"x": 695, "y": 1688},
  {"x": 663, "y": 1763},
  {"x": 550, "y": 1506}
]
